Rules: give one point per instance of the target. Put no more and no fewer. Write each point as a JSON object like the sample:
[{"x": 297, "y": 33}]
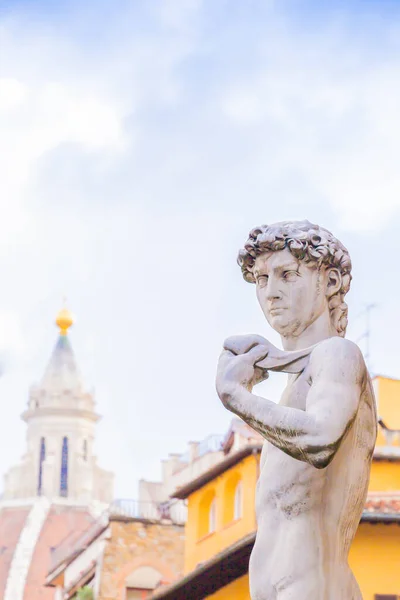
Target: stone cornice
[{"x": 55, "y": 411}]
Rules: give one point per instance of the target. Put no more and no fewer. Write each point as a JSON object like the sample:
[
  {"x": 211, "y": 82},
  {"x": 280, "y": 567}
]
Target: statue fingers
[
  {"x": 240, "y": 344},
  {"x": 224, "y": 358},
  {"x": 255, "y": 354}
]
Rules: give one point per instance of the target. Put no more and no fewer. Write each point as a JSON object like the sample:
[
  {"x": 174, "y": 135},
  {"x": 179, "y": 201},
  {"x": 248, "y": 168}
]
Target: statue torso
[{"x": 301, "y": 509}]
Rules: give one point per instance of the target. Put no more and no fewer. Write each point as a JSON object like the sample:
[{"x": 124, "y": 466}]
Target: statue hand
[
  {"x": 239, "y": 344},
  {"x": 236, "y": 371}
]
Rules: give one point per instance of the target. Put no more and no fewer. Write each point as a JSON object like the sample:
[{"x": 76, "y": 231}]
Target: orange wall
[
  {"x": 200, "y": 547},
  {"x": 375, "y": 559},
  {"x": 387, "y": 393},
  {"x": 237, "y": 590},
  {"x": 385, "y": 476}
]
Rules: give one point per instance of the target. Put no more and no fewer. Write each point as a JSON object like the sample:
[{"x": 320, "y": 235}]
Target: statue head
[{"x": 301, "y": 270}]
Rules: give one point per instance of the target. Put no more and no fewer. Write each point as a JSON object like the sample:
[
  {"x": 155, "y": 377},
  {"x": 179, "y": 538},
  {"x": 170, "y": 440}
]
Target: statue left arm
[{"x": 338, "y": 374}]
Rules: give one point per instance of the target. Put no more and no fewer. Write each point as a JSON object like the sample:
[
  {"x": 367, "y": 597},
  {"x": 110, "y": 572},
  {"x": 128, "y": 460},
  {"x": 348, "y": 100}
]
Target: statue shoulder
[{"x": 340, "y": 357}]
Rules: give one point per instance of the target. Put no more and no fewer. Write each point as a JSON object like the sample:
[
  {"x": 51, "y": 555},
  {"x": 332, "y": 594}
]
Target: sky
[{"x": 140, "y": 142}]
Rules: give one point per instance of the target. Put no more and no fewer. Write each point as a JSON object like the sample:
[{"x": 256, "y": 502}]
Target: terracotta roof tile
[
  {"x": 76, "y": 542},
  {"x": 60, "y": 521},
  {"x": 12, "y": 521},
  {"x": 383, "y": 504}
]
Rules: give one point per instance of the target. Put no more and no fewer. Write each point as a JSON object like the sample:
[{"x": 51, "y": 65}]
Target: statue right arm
[{"x": 338, "y": 373}]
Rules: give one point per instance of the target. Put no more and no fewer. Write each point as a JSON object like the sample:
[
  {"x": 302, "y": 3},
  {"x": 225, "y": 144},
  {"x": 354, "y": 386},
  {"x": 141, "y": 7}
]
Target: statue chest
[{"x": 296, "y": 391}]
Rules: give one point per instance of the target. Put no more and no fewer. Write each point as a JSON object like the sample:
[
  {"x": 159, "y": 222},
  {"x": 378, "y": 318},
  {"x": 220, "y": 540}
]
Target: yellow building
[{"x": 221, "y": 525}]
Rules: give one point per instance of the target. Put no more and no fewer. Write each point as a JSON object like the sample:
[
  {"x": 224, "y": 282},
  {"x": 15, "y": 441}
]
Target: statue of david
[{"x": 320, "y": 437}]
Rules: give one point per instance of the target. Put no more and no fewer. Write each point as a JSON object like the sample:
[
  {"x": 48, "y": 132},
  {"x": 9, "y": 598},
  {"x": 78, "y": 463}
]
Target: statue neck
[{"x": 319, "y": 330}]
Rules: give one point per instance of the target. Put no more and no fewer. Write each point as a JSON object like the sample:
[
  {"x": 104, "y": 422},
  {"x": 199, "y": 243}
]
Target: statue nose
[{"x": 273, "y": 291}]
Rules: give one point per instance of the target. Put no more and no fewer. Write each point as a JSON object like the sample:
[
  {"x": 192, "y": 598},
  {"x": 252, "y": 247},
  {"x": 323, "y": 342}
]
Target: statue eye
[
  {"x": 262, "y": 281},
  {"x": 290, "y": 275}
]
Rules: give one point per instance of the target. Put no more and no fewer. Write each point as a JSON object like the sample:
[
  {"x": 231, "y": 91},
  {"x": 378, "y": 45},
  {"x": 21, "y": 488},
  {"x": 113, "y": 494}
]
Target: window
[
  {"x": 207, "y": 514},
  {"x": 142, "y": 582},
  {"x": 232, "y": 506},
  {"x": 84, "y": 449},
  {"x": 212, "y": 517},
  {"x": 64, "y": 468},
  {"x": 238, "y": 502},
  {"x": 42, "y": 456}
]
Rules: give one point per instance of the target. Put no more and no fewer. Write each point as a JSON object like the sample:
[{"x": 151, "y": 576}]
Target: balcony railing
[
  {"x": 212, "y": 443},
  {"x": 150, "y": 511}
]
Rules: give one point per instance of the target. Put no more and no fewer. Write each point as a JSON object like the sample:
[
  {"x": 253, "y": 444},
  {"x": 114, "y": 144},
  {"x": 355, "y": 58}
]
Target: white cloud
[
  {"x": 334, "y": 125},
  {"x": 13, "y": 343},
  {"x": 64, "y": 114},
  {"x": 35, "y": 120},
  {"x": 176, "y": 13},
  {"x": 135, "y": 165},
  {"x": 12, "y": 93},
  {"x": 53, "y": 94}
]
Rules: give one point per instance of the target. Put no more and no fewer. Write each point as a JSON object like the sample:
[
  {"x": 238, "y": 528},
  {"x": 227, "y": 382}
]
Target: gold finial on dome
[{"x": 64, "y": 320}]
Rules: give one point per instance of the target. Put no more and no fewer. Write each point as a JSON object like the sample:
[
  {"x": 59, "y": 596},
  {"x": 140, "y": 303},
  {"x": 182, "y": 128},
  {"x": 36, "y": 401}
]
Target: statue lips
[
  {"x": 277, "y": 310},
  {"x": 285, "y": 361}
]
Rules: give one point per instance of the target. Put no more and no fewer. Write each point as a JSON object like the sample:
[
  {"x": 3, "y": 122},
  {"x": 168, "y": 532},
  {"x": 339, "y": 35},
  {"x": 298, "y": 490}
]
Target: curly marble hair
[{"x": 309, "y": 243}]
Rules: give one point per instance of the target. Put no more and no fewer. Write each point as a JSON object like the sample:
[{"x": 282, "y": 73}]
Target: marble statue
[{"x": 320, "y": 437}]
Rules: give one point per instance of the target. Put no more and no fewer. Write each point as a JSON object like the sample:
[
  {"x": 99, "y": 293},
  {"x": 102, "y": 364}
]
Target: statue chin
[{"x": 280, "y": 324}]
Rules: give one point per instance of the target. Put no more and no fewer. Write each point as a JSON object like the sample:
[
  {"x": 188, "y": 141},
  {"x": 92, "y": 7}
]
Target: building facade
[
  {"x": 200, "y": 457},
  {"x": 221, "y": 525},
  {"x": 137, "y": 547},
  {"x": 121, "y": 557}
]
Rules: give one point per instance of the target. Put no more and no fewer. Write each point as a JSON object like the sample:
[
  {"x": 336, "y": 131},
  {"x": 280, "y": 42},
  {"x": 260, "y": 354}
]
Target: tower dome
[{"x": 64, "y": 320}]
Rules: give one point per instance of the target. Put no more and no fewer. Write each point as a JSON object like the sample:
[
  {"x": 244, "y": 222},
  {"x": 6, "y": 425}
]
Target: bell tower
[{"x": 61, "y": 420}]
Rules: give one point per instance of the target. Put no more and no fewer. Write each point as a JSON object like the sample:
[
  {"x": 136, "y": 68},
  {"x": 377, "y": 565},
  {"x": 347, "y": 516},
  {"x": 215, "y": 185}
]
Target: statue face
[{"x": 291, "y": 293}]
